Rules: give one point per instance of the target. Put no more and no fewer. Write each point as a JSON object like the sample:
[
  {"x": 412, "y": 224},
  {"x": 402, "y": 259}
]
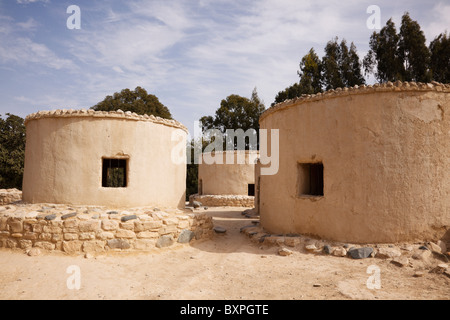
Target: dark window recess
[
  {"x": 251, "y": 189},
  {"x": 310, "y": 179},
  {"x": 114, "y": 173}
]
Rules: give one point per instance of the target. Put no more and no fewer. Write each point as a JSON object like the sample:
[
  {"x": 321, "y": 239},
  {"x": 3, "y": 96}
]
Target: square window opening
[
  {"x": 114, "y": 173},
  {"x": 310, "y": 179},
  {"x": 251, "y": 189}
]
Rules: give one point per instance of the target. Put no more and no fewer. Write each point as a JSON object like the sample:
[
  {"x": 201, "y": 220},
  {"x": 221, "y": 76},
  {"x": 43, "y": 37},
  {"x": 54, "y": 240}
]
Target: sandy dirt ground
[{"x": 229, "y": 266}]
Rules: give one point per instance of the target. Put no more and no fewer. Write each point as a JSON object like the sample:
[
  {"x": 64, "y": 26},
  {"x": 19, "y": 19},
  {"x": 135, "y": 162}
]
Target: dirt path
[{"x": 229, "y": 266}]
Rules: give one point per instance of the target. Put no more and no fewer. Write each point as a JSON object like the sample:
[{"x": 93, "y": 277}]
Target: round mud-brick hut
[
  {"x": 229, "y": 180},
  {"x": 368, "y": 164},
  {"x": 116, "y": 159}
]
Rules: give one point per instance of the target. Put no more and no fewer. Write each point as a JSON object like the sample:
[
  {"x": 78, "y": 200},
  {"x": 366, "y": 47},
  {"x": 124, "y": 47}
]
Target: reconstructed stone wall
[
  {"x": 98, "y": 230},
  {"x": 385, "y": 155},
  {"x": 227, "y": 178},
  {"x": 65, "y": 151},
  {"x": 10, "y": 195},
  {"x": 223, "y": 200}
]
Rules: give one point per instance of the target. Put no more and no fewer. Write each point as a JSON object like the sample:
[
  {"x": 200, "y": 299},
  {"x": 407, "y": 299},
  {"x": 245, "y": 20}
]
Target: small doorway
[{"x": 251, "y": 189}]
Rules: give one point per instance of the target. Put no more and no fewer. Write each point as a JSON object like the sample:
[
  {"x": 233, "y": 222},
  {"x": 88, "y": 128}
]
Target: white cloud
[
  {"x": 17, "y": 46},
  {"x": 6, "y": 25},
  {"x": 47, "y": 101},
  {"x": 192, "y": 54},
  {"x": 118, "y": 69},
  {"x": 24, "y": 99},
  {"x": 29, "y": 25},
  {"x": 31, "y": 1},
  {"x": 132, "y": 44},
  {"x": 439, "y": 21},
  {"x": 263, "y": 46},
  {"x": 174, "y": 15},
  {"x": 130, "y": 48},
  {"x": 23, "y": 50}
]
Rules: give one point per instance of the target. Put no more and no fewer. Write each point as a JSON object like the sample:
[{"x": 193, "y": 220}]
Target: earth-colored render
[
  {"x": 68, "y": 153},
  {"x": 362, "y": 165},
  {"x": 226, "y": 178},
  {"x": 230, "y": 174}
]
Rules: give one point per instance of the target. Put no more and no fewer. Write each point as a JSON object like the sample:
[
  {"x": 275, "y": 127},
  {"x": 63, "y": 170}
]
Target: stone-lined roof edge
[
  {"x": 119, "y": 114},
  {"x": 397, "y": 86}
]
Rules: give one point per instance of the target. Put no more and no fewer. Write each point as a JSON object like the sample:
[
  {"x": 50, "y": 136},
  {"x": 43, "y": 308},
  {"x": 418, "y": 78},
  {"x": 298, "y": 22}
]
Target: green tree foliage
[
  {"x": 236, "y": 112},
  {"x": 339, "y": 67},
  {"x": 289, "y": 93},
  {"x": 138, "y": 101},
  {"x": 12, "y": 151},
  {"x": 400, "y": 56},
  {"x": 331, "y": 66},
  {"x": 350, "y": 66},
  {"x": 413, "y": 51},
  {"x": 310, "y": 78},
  {"x": 440, "y": 58},
  {"x": 310, "y": 73},
  {"x": 383, "y": 54}
]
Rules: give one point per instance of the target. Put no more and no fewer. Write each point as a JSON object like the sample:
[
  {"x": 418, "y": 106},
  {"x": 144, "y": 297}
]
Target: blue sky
[{"x": 190, "y": 53}]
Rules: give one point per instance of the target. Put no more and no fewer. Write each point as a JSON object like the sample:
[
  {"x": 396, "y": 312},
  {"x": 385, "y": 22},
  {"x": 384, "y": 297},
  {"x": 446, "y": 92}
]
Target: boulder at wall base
[
  {"x": 388, "y": 253},
  {"x": 360, "y": 253},
  {"x": 284, "y": 252},
  {"x": 118, "y": 244},
  {"x": 196, "y": 204},
  {"x": 186, "y": 236},
  {"x": 339, "y": 252},
  {"x": 327, "y": 249},
  {"x": 164, "y": 241},
  {"x": 220, "y": 229}
]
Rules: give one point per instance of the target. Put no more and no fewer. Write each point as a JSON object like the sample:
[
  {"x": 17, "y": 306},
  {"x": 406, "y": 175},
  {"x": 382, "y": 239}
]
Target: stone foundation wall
[
  {"x": 10, "y": 195},
  {"x": 223, "y": 200},
  {"x": 97, "y": 231}
]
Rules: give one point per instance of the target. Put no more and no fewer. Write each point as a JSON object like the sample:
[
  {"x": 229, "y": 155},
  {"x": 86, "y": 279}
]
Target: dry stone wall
[
  {"x": 97, "y": 230},
  {"x": 223, "y": 200},
  {"x": 10, "y": 195}
]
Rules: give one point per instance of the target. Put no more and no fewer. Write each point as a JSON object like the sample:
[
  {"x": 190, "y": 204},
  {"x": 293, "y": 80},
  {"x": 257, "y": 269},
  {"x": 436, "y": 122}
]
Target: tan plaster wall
[
  {"x": 386, "y": 157},
  {"x": 63, "y": 162},
  {"x": 227, "y": 179}
]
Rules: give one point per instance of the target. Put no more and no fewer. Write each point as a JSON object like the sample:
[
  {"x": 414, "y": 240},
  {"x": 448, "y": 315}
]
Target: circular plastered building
[
  {"x": 368, "y": 164},
  {"x": 116, "y": 159},
  {"x": 227, "y": 178}
]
